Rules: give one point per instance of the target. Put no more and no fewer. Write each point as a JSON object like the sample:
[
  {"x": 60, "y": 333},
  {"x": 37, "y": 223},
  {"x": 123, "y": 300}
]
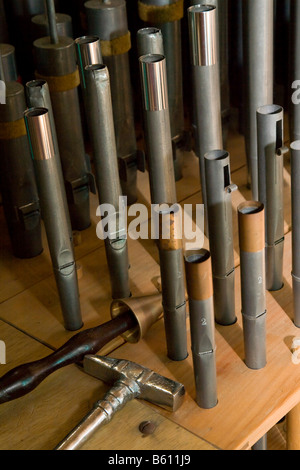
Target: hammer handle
[
  {"x": 23, "y": 379},
  {"x": 114, "y": 400}
]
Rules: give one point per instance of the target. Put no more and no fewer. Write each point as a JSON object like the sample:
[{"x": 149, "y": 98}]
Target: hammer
[{"x": 130, "y": 380}]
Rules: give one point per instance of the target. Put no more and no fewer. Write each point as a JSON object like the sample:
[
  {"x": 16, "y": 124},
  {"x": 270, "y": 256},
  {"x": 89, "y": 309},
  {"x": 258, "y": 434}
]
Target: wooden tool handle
[{"x": 23, "y": 379}]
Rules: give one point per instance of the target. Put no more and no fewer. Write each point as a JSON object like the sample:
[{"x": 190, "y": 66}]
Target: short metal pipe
[
  {"x": 294, "y": 72},
  {"x": 40, "y": 25},
  {"x": 251, "y": 219},
  {"x": 97, "y": 98},
  {"x": 52, "y": 195},
  {"x": 172, "y": 280},
  {"x": 51, "y": 15},
  {"x": 219, "y": 208},
  {"x": 206, "y": 84},
  {"x": 270, "y": 153},
  {"x": 258, "y": 27},
  {"x": 56, "y": 64},
  {"x": 202, "y": 325},
  {"x": 108, "y": 21},
  {"x": 17, "y": 179},
  {"x": 88, "y": 52},
  {"x": 157, "y": 128},
  {"x": 295, "y": 178},
  {"x": 262, "y": 443}
]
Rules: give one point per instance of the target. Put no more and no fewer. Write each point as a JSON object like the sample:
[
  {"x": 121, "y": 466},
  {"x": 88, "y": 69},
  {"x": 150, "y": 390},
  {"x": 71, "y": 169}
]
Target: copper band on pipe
[
  {"x": 161, "y": 13},
  {"x": 199, "y": 275},
  {"x": 39, "y": 133},
  {"x": 203, "y": 34},
  {"x": 251, "y": 220},
  {"x": 154, "y": 82}
]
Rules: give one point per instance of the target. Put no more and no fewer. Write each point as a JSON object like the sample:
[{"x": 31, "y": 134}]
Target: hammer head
[{"x": 153, "y": 387}]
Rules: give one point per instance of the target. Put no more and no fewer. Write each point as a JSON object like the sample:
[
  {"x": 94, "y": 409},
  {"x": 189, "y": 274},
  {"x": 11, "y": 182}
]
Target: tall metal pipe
[
  {"x": 251, "y": 219},
  {"x": 223, "y": 55},
  {"x": 56, "y": 64},
  {"x": 166, "y": 15},
  {"x": 270, "y": 153},
  {"x": 219, "y": 207},
  {"x": 172, "y": 280},
  {"x": 206, "y": 84},
  {"x": 17, "y": 180},
  {"x": 38, "y": 96},
  {"x": 295, "y": 178},
  {"x": 294, "y": 72},
  {"x": 202, "y": 325},
  {"x": 108, "y": 21},
  {"x": 97, "y": 94},
  {"x": 258, "y": 43},
  {"x": 52, "y": 195},
  {"x": 157, "y": 128}
]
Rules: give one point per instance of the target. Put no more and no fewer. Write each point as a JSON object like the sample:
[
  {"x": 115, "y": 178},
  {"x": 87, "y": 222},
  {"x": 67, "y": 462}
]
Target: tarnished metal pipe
[
  {"x": 40, "y": 25},
  {"x": 18, "y": 185},
  {"x": 172, "y": 279},
  {"x": 258, "y": 27},
  {"x": 56, "y": 64},
  {"x": 157, "y": 128},
  {"x": 202, "y": 325},
  {"x": 219, "y": 207},
  {"x": 52, "y": 195},
  {"x": 108, "y": 21},
  {"x": 7, "y": 53},
  {"x": 295, "y": 178},
  {"x": 166, "y": 15},
  {"x": 206, "y": 84},
  {"x": 97, "y": 98},
  {"x": 251, "y": 220},
  {"x": 270, "y": 152}
]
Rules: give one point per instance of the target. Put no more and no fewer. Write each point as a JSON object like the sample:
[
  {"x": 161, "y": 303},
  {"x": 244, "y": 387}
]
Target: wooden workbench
[{"x": 250, "y": 403}]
